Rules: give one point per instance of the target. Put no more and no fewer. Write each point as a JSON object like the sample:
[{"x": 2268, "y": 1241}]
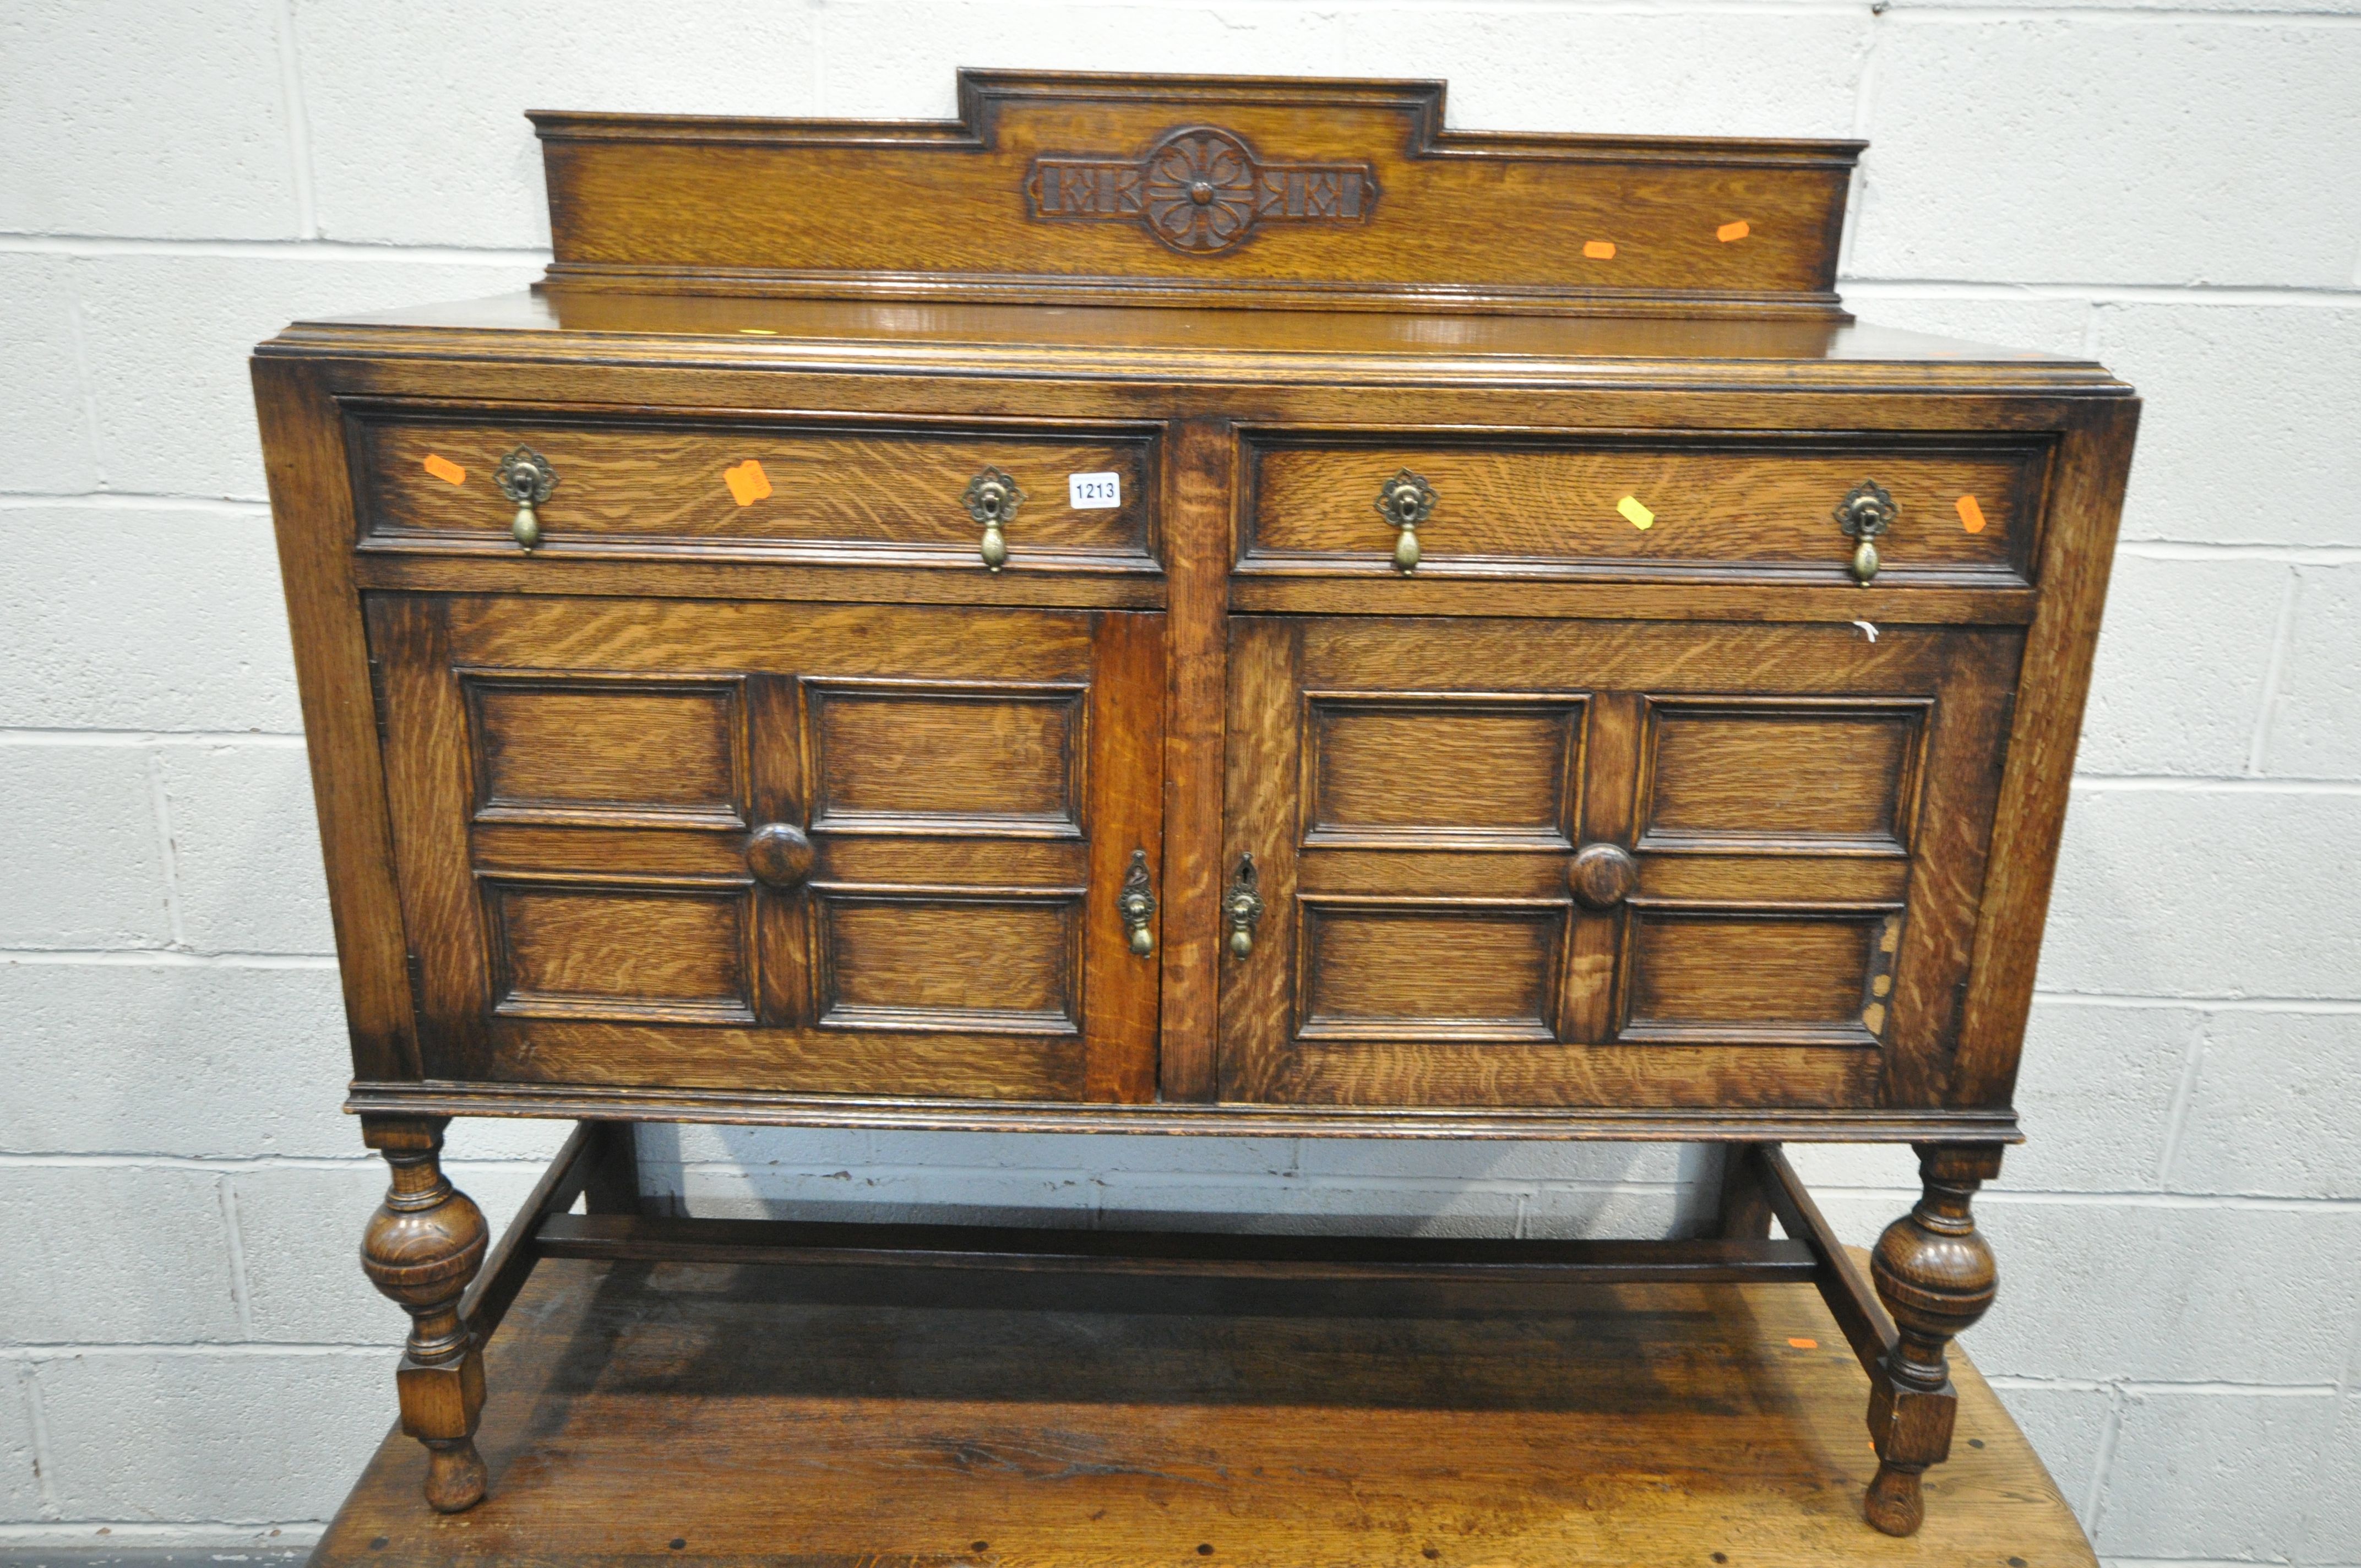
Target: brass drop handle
[
  {"x": 1406, "y": 500},
  {"x": 1241, "y": 907},
  {"x": 992, "y": 499},
  {"x": 1864, "y": 514},
  {"x": 1136, "y": 904},
  {"x": 1602, "y": 875},
  {"x": 780, "y": 856},
  {"x": 525, "y": 477}
]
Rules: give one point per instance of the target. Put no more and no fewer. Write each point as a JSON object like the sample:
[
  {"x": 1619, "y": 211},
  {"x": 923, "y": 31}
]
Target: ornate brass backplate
[
  {"x": 1136, "y": 904},
  {"x": 1242, "y": 907},
  {"x": 1864, "y": 514}
]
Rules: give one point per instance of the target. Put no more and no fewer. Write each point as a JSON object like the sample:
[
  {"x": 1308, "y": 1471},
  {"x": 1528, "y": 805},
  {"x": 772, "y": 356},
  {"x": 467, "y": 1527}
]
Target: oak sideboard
[{"x": 1195, "y": 606}]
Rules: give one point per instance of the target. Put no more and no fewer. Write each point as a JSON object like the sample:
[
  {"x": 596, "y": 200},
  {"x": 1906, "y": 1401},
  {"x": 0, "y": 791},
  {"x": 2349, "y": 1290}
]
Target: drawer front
[
  {"x": 831, "y": 848},
  {"x": 814, "y": 494},
  {"x": 1604, "y": 864},
  {"x": 1964, "y": 510}
]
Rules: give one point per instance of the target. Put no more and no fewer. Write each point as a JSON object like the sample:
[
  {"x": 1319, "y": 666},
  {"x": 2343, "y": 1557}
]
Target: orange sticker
[
  {"x": 1728, "y": 231},
  {"x": 1598, "y": 249},
  {"x": 444, "y": 469},
  {"x": 747, "y": 482},
  {"x": 1971, "y": 515},
  {"x": 1805, "y": 1344}
]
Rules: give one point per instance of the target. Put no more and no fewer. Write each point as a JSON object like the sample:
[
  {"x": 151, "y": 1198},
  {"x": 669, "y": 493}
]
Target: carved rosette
[{"x": 1200, "y": 190}]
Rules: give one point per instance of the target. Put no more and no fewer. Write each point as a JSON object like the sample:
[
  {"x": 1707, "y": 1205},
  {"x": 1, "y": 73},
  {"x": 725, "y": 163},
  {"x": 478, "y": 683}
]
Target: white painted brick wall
[{"x": 188, "y": 1355}]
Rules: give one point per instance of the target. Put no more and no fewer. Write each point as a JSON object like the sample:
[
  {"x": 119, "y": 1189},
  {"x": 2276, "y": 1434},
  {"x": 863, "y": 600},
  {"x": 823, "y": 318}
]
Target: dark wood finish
[
  {"x": 1202, "y": 494},
  {"x": 645, "y": 487},
  {"x": 919, "y": 1113},
  {"x": 1936, "y": 1276},
  {"x": 1413, "y": 210},
  {"x": 1628, "y": 508},
  {"x": 575, "y": 1171},
  {"x": 1413, "y": 794},
  {"x": 613, "y": 1183},
  {"x": 1866, "y": 1327},
  {"x": 311, "y": 504},
  {"x": 1191, "y": 1254},
  {"x": 1053, "y": 1417},
  {"x": 578, "y": 789},
  {"x": 755, "y": 788},
  {"x": 1742, "y": 1207},
  {"x": 423, "y": 1246}
]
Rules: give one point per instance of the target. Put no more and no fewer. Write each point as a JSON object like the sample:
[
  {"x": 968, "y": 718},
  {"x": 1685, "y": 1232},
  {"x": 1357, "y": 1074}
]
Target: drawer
[
  {"x": 812, "y": 493},
  {"x": 1964, "y": 510}
]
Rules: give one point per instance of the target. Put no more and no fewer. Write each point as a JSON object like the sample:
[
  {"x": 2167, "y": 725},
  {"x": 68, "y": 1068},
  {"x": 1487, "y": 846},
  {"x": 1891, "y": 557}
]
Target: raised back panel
[
  {"x": 997, "y": 761},
  {"x": 1205, "y": 190},
  {"x": 1445, "y": 771},
  {"x": 1816, "y": 776},
  {"x": 599, "y": 750}
]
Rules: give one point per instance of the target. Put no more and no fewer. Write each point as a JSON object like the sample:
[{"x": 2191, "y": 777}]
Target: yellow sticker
[
  {"x": 1728, "y": 231},
  {"x": 1598, "y": 249},
  {"x": 1971, "y": 514},
  {"x": 758, "y": 331},
  {"x": 1639, "y": 516},
  {"x": 747, "y": 482},
  {"x": 444, "y": 469}
]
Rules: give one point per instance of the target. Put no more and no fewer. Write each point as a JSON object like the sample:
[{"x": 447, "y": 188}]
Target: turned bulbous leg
[
  {"x": 421, "y": 1247},
  {"x": 1936, "y": 1276}
]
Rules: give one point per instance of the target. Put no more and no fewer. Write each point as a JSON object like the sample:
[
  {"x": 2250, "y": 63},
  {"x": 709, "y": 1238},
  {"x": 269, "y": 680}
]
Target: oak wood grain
[
  {"x": 577, "y": 785},
  {"x": 828, "y": 495},
  {"x": 311, "y": 508},
  {"x": 1201, "y": 504},
  {"x": 1063, "y": 1418},
  {"x": 752, "y": 794},
  {"x": 1449, "y": 218},
  {"x": 1436, "y": 951},
  {"x": 1759, "y": 508}
]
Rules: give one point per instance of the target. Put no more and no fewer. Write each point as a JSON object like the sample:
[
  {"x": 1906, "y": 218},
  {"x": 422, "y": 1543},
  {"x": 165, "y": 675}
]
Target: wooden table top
[{"x": 646, "y": 1412}]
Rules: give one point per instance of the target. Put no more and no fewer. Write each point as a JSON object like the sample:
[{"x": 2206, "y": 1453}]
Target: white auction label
[{"x": 1088, "y": 490}]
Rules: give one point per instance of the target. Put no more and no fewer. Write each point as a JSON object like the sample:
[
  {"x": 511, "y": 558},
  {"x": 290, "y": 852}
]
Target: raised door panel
[
  {"x": 860, "y": 849},
  {"x": 1794, "y": 817}
]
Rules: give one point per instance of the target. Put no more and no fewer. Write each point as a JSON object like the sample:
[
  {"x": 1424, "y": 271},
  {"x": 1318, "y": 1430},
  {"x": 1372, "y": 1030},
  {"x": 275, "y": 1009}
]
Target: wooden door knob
[
  {"x": 779, "y": 856},
  {"x": 1602, "y": 875}
]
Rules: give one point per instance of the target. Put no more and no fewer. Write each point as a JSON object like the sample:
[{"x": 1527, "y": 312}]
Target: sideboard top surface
[{"x": 1109, "y": 342}]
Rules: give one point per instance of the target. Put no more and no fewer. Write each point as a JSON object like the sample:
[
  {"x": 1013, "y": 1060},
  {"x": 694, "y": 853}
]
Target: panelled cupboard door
[
  {"x": 854, "y": 848},
  {"x": 1604, "y": 863}
]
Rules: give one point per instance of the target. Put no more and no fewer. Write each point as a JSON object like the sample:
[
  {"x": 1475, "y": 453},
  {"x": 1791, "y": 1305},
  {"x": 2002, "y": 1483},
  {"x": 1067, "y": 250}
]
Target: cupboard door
[
  {"x": 1604, "y": 863},
  {"x": 832, "y": 849}
]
